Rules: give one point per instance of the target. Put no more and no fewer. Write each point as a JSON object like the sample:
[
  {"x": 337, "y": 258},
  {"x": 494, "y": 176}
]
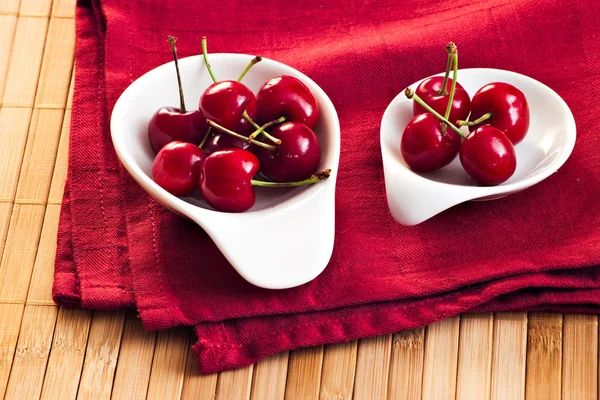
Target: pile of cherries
[
  {"x": 233, "y": 136},
  {"x": 497, "y": 117}
]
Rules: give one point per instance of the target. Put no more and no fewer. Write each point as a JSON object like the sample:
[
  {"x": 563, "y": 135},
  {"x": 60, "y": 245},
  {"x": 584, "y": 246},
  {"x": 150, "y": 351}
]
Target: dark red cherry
[
  {"x": 169, "y": 124},
  {"x": 223, "y": 141},
  {"x": 225, "y": 102},
  {"x": 509, "y": 108},
  {"x": 286, "y": 96},
  {"x": 488, "y": 156},
  {"x": 225, "y": 180},
  {"x": 425, "y": 147},
  {"x": 428, "y": 91},
  {"x": 176, "y": 167},
  {"x": 296, "y": 158}
]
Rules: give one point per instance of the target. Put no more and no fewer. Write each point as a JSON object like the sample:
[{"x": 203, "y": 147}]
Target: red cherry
[
  {"x": 509, "y": 108},
  {"x": 223, "y": 141},
  {"x": 169, "y": 124},
  {"x": 425, "y": 147},
  {"x": 288, "y": 97},
  {"x": 225, "y": 180},
  {"x": 296, "y": 158},
  {"x": 488, "y": 156},
  {"x": 176, "y": 167},
  {"x": 428, "y": 91},
  {"x": 225, "y": 102}
]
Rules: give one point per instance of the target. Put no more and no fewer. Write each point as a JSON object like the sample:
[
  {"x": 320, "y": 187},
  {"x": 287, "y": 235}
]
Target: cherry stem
[
  {"x": 450, "y": 48},
  {"x": 237, "y": 135},
  {"x": 259, "y": 130},
  {"x": 318, "y": 177},
  {"x": 205, "y": 54},
  {"x": 479, "y": 120},
  {"x": 452, "y": 89},
  {"x": 265, "y": 126},
  {"x": 172, "y": 40},
  {"x": 252, "y": 62},
  {"x": 411, "y": 95},
  {"x": 206, "y": 135}
]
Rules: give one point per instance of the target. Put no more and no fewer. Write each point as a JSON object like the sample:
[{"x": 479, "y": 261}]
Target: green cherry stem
[
  {"x": 411, "y": 95},
  {"x": 237, "y": 135},
  {"x": 205, "y": 54},
  {"x": 442, "y": 90},
  {"x": 265, "y": 126},
  {"x": 479, "y": 120},
  {"x": 252, "y": 62},
  {"x": 452, "y": 51},
  {"x": 318, "y": 177},
  {"x": 172, "y": 40},
  {"x": 259, "y": 130},
  {"x": 206, "y": 135}
]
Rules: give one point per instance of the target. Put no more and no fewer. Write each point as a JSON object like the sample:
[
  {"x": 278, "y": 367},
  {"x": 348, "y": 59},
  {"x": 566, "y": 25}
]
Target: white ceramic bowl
[
  {"x": 286, "y": 239},
  {"x": 414, "y": 197}
]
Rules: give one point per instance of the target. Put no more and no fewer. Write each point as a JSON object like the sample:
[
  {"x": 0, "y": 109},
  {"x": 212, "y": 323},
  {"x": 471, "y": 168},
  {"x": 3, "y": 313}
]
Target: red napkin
[{"x": 538, "y": 249}]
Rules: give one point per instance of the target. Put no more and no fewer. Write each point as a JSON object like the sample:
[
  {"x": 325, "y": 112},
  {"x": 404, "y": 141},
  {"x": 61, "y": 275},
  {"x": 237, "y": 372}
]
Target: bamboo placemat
[{"x": 57, "y": 353}]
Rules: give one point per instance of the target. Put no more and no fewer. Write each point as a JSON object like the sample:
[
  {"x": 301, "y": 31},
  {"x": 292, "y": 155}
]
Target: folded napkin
[{"x": 538, "y": 249}]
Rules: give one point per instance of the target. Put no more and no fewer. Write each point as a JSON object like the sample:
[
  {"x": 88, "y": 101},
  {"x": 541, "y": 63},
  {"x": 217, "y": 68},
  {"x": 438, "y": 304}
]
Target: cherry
[
  {"x": 225, "y": 103},
  {"x": 297, "y": 157},
  {"x": 488, "y": 156},
  {"x": 226, "y": 180},
  {"x": 425, "y": 147},
  {"x": 503, "y": 106},
  {"x": 176, "y": 167},
  {"x": 435, "y": 92},
  {"x": 287, "y": 96},
  {"x": 222, "y": 141},
  {"x": 171, "y": 123}
]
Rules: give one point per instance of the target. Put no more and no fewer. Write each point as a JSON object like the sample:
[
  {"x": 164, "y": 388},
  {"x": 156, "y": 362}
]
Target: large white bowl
[
  {"x": 286, "y": 239},
  {"x": 414, "y": 198}
]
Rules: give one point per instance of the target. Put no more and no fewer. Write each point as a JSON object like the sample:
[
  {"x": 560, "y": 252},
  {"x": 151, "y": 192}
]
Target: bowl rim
[
  {"x": 331, "y": 157},
  {"x": 483, "y": 191}
]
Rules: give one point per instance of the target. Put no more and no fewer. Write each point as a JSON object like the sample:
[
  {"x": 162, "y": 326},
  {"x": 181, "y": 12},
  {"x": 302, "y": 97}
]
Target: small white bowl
[
  {"x": 415, "y": 197},
  {"x": 286, "y": 239}
]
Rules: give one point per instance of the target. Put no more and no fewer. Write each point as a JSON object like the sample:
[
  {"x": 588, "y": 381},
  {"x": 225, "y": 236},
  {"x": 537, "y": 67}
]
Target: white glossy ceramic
[
  {"x": 414, "y": 197},
  {"x": 286, "y": 239}
]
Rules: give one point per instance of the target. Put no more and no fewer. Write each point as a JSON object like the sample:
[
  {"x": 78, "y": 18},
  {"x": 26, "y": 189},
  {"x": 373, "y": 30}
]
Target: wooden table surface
[{"x": 57, "y": 353}]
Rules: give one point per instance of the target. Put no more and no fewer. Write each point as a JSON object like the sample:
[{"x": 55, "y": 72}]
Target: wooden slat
[
  {"x": 372, "y": 363},
  {"x": 304, "y": 373},
  {"x": 55, "y": 74},
  {"x": 8, "y": 24},
  {"x": 62, "y": 161},
  {"x": 544, "y": 356},
  {"x": 580, "y": 357},
  {"x": 39, "y": 8},
  {"x": 135, "y": 361},
  {"x": 101, "y": 355},
  {"x": 40, "y": 154},
  {"x": 5, "y": 211},
  {"x": 509, "y": 356},
  {"x": 406, "y": 364},
  {"x": 196, "y": 386},
  {"x": 66, "y": 356},
  {"x": 9, "y": 6},
  {"x": 40, "y": 288},
  {"x": 339, "y": 367},
  {"x": 475, "y": 356},
  {"x": 25, "y": 61},
  {"x": 32, "y": 351},
  {"x": 63, "y": 8},
  {"x": 235, "y": 384},
  {"x": 10, "y": 321},
  {"x": 168, "y": 364},
  {"x": 21, "y": 248},
  {"x": 440, "y": 360},
  {"x": 14, "y": 126},
  {"x": 269, "y": 377}
]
